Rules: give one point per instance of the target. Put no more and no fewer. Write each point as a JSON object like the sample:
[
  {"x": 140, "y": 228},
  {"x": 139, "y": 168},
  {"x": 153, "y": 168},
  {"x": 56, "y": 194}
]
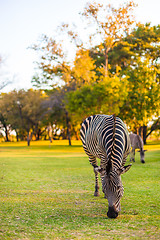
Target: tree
[
  {"x": 116, "y": 72},
  {"x": 9, "y": 119},
  {"x": 154, "y": 126},
  {"x": 58, "y": 113},
  {"x": 138, "y": 57},
  {"x": 70, "y": 76},
  {"x": 111, "y": 25},
  {"x": 83, "y": 68},
  {"x": 4, "y": 126},
  {"x": 100, "y": 97},
  {"x": 23, "y": 110},
  {"x": 143, "y": 102},
  {"x": 54, "y": 69}
]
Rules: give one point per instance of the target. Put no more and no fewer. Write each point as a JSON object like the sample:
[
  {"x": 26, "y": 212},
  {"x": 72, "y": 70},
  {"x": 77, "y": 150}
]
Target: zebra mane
[
  {"x": 114, "y": 132},
  {"x": 109, "y": 164}
]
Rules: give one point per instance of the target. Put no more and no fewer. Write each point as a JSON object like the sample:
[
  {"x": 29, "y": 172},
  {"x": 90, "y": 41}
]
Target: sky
[{"x": 22, "y": 22}]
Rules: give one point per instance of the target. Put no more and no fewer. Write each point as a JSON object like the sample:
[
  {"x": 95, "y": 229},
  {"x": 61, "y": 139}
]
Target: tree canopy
[{"x": 115, "y": 69}]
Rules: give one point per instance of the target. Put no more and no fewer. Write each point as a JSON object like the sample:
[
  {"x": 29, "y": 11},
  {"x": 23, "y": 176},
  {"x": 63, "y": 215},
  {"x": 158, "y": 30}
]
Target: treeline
[
  {"x": 34, "y": 114},
  {"x": 115, "y": 70}
]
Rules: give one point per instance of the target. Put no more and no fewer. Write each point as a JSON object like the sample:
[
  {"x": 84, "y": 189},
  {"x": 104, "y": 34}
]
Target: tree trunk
[
  {"x": 155, "y": 126},
  {"x": 29, "y": 137},
  {"x": 6, "y": 134},
  {"x": 106, "y": 63},
  {"x": 50, "y": 133},
  {"x": 38, "y": 134},
  {"x": 140, "y": 131},
  {"x": 28, "y": 140},
  {"x": 68, "y": 128},
  {"x": 144, "y": 134},
  {"x": 17, "y": 136}
]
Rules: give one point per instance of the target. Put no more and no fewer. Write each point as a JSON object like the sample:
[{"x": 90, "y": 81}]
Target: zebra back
[{"x": 106, "y": 137}]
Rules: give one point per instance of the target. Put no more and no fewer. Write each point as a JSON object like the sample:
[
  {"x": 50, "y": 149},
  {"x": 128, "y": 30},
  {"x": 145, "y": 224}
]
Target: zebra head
[
  {"x": 142, "y": 154},
  {"x": 113, "y": 188}
]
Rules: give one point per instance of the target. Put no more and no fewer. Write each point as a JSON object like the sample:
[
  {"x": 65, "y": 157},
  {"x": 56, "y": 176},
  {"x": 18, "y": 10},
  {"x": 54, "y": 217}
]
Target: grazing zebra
[
  {"x": 136, "y": 142},
  {"x": 106, "y": 137}
]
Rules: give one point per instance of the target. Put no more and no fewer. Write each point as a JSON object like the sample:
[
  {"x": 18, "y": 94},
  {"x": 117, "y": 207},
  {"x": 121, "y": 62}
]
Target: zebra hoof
[
  {"x": 142, "y": 161},
  {"x": 132, "y": 160},
  {"x": 96, "y": 194}
]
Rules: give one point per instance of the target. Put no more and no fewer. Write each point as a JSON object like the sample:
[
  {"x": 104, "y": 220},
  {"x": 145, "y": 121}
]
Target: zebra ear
[
  {"x": 109, "y": 167},
  {"x": 124, "y": 169}
]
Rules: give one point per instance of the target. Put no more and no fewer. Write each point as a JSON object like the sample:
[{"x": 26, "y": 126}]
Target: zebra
[
  {"x": 106, "y": 137},
  {"x": 136, "y": 142}
]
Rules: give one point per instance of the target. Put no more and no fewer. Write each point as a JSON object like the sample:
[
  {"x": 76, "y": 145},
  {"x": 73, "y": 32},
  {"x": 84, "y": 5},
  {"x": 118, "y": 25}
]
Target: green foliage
[
  {"x": 105, "y": 96},
  {"x": 137, "y": 55},
  {"x": 142, "y": 102},
  {"x": 23, "y": 110},
  {"x": 47, "y": 193}
]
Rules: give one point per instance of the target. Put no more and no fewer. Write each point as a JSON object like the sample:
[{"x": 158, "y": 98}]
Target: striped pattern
[{"x": 106, "y": 137}]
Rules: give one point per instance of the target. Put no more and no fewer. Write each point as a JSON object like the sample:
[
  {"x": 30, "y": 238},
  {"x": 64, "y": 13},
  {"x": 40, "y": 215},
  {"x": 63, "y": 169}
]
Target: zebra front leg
[
  {"x": 102, "y": 175},
  {"x": 96, "y": 193},
  {"x": 132, "y": 155},
  {"x": 93, "y": 161}
]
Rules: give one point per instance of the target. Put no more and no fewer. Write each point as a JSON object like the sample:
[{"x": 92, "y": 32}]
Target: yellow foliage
[{"x": 83, "y": 69}]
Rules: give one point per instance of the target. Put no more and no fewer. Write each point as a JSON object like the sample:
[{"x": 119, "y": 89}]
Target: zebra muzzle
[{"x": 112, "y": 213}]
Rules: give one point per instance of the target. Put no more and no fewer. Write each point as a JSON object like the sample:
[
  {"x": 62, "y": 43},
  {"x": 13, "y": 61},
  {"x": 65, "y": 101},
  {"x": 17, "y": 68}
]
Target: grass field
[{"x": 46, "y": 192}]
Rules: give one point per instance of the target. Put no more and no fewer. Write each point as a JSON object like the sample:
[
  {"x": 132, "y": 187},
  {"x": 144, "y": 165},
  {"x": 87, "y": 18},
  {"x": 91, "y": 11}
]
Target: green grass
[{"x": 46, "y": 192}]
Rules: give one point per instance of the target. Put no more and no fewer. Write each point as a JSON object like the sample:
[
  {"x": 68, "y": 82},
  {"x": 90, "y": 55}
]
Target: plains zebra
[
  {"x": 136, "y": 142},
  {"x": 106, "y": 137}
]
